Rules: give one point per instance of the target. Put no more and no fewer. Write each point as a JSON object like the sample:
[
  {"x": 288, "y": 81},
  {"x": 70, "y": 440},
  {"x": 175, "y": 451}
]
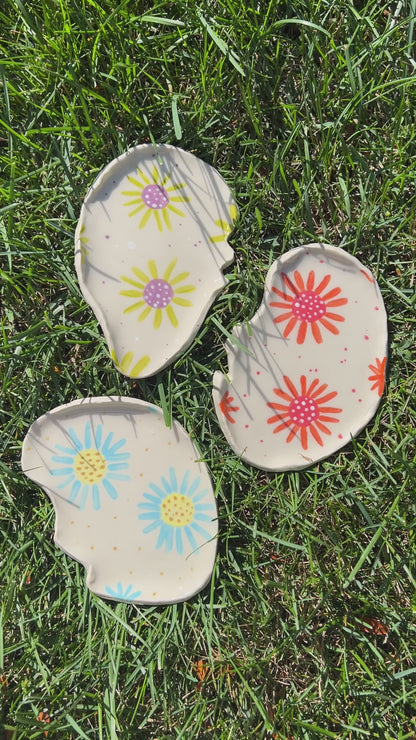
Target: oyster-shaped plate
[
  {"x": 133, "y": 502},
  {"x": 307, "y": 372},
  {"x": 150, "y": 246}
]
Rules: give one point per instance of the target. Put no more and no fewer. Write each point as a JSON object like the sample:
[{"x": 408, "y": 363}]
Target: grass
[{"x": 307, "y": 110}]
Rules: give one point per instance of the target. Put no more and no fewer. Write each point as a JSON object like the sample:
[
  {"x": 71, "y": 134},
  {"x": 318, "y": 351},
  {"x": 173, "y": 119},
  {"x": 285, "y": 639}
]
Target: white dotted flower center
[
  {"x": 303, "y": 411},
  {"x": 308, "y": 306},
  {"x": 158, "y": 293},
  {"x": 155, "y": 197}
]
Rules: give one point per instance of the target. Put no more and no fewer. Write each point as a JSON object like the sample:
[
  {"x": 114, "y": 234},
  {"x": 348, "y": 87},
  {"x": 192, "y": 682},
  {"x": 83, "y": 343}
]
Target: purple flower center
[
  {"x": 308, "y": 306},
  {"x": 155, "y": 197},
  {"x": 303, "y": 411},
  {"x": 158, "y": 293}
]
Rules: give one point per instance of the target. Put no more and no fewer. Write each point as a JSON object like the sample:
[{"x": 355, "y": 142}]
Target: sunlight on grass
[{"x": 307, "y": 629}]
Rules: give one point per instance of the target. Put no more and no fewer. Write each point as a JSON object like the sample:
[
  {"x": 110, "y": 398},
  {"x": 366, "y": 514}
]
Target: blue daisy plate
[{"x": 133, "y": 502}]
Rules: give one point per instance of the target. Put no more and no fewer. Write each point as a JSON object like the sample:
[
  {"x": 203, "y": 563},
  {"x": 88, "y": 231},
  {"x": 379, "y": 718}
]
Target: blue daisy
[
  {"x": 90, "y": 466},
  {"x": 122, "y": 594},
  {"x": 177, "y": 510}
]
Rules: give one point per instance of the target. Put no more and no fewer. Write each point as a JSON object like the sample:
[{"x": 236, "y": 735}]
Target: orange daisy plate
[{"x": 307, "y": 372}]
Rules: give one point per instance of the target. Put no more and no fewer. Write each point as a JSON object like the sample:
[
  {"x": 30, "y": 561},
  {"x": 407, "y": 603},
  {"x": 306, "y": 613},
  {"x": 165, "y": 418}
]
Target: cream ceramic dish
[
  {"x": 307, "y": 372},
  {"x": 133, "y": 502},
  {"x": 150, "y": 247}
]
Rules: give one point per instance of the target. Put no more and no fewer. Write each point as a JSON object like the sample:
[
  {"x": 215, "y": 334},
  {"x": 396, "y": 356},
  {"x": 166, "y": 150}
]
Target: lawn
[{"x": 306, "y": 108}]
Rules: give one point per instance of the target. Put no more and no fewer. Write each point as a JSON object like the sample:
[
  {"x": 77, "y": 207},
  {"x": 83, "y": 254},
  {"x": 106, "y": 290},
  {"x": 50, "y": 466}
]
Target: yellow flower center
[
  {"x": 90, "y": 466},
  {"x": 177, "y": 510}
]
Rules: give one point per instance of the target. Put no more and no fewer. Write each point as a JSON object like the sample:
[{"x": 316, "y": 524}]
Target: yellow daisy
[
  {"x": 225, "y": 227},
  {"x": 157, "y": 293},
  {"x": 154, "y": 197},
  {"x": 84, "y": 249}
]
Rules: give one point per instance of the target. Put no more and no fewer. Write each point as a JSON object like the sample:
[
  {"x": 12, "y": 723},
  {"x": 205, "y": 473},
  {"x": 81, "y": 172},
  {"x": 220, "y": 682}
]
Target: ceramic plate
[
  {"x": 150, "y": 247},
  {"x": 133, "y": 502},
  {"x": 307, "y": 372}
]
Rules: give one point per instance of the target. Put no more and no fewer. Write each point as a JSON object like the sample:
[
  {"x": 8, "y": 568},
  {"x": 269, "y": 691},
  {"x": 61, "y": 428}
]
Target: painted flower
[
  {"x": 176, "y": 510},
  {"x": 84, "y": 249},
  {"x": 227, "y": 408},
  {"x": 129, "y": 365},
  {"x": 225, "y": 227},
  {"x": 303, "y": 411},
  {"x": 90, "y": 466},
  {"x": 308, "y": 306},
  {"x": 377, "y": 378},
  {"x": 154, "y": 197},
  {"x": 124, "y": 594},
  {"x": 157, "y": 293}
]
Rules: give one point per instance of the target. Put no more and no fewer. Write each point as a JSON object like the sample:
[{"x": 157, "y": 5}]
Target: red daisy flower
[
  {"x": 303, "y": 410},
  {"x": 226, "y": 407},
  {"x": 377, "y": 378},
  {"x": 308, "y": 305}
]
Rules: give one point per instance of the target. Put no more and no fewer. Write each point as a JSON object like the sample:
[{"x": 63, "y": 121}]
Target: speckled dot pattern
[
  {"x": 133, "y": 502},
  {"x": 150, "y": 247},
  {"x": 308, "y": 371}
]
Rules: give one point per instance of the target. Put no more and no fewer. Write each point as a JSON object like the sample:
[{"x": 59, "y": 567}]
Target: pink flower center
[
  {"x": 308, "y": 306},
  {"x": 303, "y": 411},
  {"x": 155, "y": 197},
  {"x": 158, "y": 293}
]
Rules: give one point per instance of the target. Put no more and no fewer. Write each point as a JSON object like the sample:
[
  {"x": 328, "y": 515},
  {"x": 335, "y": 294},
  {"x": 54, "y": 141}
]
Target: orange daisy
[
  {"x": 377, "y": 378},
  {"x": 227, "y": 408},
  {"x": 308, "y": 306},
  {"x": 303, "y": 411}
]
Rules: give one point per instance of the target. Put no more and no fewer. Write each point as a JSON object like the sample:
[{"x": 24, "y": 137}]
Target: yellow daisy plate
[
  {"x": 150, "y": 247},
  {"x": 133, "y": 502}
]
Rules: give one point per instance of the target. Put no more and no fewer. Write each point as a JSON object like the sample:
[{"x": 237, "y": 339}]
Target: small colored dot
[
  {"x": 107, "y": 236},
  {"x": 366, "y": 337},
  {"x": 246, "y": 426},
  {"x": 258, "y": 372},
  {"x": 360, "y": 400},
  {"x": 353, "y": 390},
  {"x": 376, "y": 308},
  {"x": 339, "y": 436}
]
